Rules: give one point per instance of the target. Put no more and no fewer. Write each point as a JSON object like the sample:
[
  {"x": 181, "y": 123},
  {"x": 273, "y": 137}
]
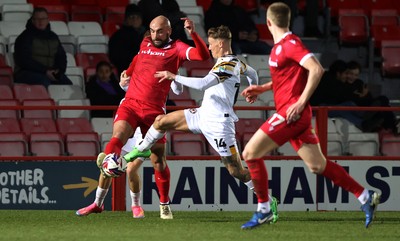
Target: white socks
[
  {"x": 100, "y": 196},
  {"x": 135, "y": 196},
  {"x": 263, "y": 207},
  {"x": 152, "y": 136},
  {"x": 363, "y": 198}
]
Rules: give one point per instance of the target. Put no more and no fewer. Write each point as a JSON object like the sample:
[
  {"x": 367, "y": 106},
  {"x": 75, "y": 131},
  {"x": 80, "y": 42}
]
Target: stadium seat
[
  {"x": 205, "y": 4},
  {"x": 78, "y": 28},
  {"x": 247, "y": 5},
  {"x": 9, "y": 113},
  {"x": 354, "y": 26},
  {"x": 87, "y": 60},
  {"x": 82, "y": 144},
  {"x": 69, "y": 43},
  {"x": 102, "y": 124},
  {"x": 70, "y": 60},
  {"x": 74, "y": 113},
  {"x": 16, "y": 12},
  {"x": 258, "y": 62},
  {"x": 92, "y": 44},
  {"x": 109, "y": 27},
  {"x": 384, "y": 17},
  {"x": 6, "y": 92},
  {"x": 6, "y": 76},
  {"x": 390, "y": 145},
  {"x": 250, "y": 113},
  {"x": 38, "y": 113},
  {"x": 363, "y": 144},
  {"x": 57, "y": 11},
  {"x": 13, "y": 144},
  {"x": 387, "y": 32},
  {"x": 73, "y": 125},
  {"x": 9, "y": 125},
  {"x": 87, "y": 13},
  {"x": 206, "y": 64},
  {"x": 59, "y": 27},
  {"x": 46, "y": 144},
  {"x": 390, "y": 52},
  {"x": 199, "y": 72},
  {"x": 185, "y": 102},
  {"x": 336, "y": 5},
  {"x": 30, "y": 92},
  {"x": 186, "y": 3},
  {"x": 11, "y": 28},
  {"x": 370, "y": 5},
  {"x": 188, "y": 144},
  {"x": 248, "y": 125},
  {"x": 75, "y": 74},
  {"x": 32, "y": 125},
  {"x": 65, "y": 92},
  {"x": 264, "y": 34},
  {"x": 286, "y": 150},
  {"x": 115, "y": 14}
]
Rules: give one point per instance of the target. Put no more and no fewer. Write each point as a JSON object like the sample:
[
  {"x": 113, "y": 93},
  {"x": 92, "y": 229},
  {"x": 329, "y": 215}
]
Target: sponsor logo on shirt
[{"x": 150, "y": 52}]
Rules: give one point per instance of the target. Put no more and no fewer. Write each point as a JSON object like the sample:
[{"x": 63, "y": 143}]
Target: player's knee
[
  {"x": 159, "y": 122},
  {"x": 316, "y": 168}
]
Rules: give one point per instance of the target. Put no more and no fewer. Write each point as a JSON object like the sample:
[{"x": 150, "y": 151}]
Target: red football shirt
[
  {"x": 143, "y": 85},
  {"x": 289, "y": 78}
]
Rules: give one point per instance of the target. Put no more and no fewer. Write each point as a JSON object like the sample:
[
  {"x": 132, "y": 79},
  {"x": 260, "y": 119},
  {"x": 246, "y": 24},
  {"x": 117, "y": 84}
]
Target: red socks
[
  {"x": 162, "y": 182},
  {"x": 114, "y": 146},
  {"x": 259, "y": 175},
  {"x": 341, "y": 178}
]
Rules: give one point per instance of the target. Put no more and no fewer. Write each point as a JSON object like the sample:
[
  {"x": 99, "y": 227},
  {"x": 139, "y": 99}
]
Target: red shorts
[
  {"x": 139, "y": 114},
  {"x": 297, "y": 133}
]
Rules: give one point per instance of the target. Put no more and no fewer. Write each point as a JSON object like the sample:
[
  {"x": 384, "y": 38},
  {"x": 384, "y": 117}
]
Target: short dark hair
[
  {"x": 338, "y": 66},
  {"x": 354, "y": 65},
  {"x": 39, "y": 10},
  {"x": 103, "y": 63},
  {"x": 132, "y": 9}
]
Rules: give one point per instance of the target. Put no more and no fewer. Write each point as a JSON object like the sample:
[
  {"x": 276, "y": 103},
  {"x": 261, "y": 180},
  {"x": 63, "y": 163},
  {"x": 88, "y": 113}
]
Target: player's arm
[
  {"x": 250, "y": 73},
  {"x": 315, "y": 72},
  {"x": 200, "y": 51},
  {"x": 253, "y": 91},
  {"x": 176, "y": 87},
  {"x": 191, "y": 82}
]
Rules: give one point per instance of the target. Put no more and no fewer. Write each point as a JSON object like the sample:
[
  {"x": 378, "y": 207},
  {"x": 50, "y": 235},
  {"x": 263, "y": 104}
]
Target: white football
[{"x": 113, "y": 165}]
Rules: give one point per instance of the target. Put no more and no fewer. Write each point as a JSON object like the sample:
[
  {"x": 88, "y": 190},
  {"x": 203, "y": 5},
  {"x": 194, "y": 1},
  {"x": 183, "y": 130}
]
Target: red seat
[
  {"x": 335, "y": 5},
  {"x": 390, "y": 145},
  {"x": 115, "y": 14},
  {"x": 33, "y": 125},
  {"x": 9, "y": 125},
  {"x": 384, "y": 17},
  {"x": 204, "y": 3},
  {"x": 82, "y": 144},
  {"x": 199, "y": 72},
  {"x": 6, "y": 92},
  {"x": 370, "y": 5},
  {"x": 380, "y": 33},
  {"x": 86, "y": 13},
  {"x": 87, "y": 60},
  {"x": 9, "y": 113},
  {"x": 109, "y": 27},
  {"x": 73, "y": 125},
  {"x": 57, "y": 12},
  {"x": 390, "y": 52},
  {"x": 30, "y": 92},
  {"x": 188, "y": 144},
  {"x": 354, "y": 26},
  {"x": 38, "y": 113},
  {"x": 6, "y": 76},
  {"x": 247, "y": 5},
  {"x": 46, "y": 144},
  {"x": 44, "y": 2},
  {"x": 264, "y": 34},
  {"x": 247, "y": 125},
  {"x": 13, "y": 144}
]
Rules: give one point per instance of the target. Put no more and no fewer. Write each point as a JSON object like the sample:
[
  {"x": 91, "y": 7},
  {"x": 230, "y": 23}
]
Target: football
[{"x": 113, "y": 165}]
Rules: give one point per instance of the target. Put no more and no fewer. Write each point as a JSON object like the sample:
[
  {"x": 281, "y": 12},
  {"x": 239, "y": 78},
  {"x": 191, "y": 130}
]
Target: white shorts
[
  {"x": 220, "y": 135},
  {"x": 130, "y": 144}
]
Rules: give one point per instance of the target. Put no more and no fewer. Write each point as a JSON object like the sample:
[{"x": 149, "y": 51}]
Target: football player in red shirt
[
  {"x": 144, "y": 101},
  {"x": 295, "y": 74}
]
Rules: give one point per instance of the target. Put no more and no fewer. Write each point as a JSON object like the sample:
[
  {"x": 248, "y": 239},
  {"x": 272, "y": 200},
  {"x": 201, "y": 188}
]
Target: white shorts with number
[{"x": 220, "y": 135}]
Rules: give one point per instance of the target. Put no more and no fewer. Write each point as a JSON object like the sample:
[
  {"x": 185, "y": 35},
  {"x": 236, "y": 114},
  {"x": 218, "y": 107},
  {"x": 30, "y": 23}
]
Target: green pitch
[{"x": 192, "y": 226}]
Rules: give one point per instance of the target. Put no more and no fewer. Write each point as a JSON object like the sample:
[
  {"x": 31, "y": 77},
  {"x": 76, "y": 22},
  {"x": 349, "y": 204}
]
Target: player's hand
[
  {"x": 124, "y": 79},
  {"x": 163, "y": 75},
  {"x": 188, "y": 25},
  {"x": 251, "y": 99},
  {"x": 252, "y": 90},
  {"x": 293, "y": 113}
]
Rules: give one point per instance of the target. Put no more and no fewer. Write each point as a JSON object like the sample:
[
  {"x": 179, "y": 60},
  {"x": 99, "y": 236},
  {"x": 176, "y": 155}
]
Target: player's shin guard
[
  {"x": 114, "y": 146},
  {"x": 259, "y": 175},
  {"x": 162, "y": 182},
  {"x": 341, "y": 178}
]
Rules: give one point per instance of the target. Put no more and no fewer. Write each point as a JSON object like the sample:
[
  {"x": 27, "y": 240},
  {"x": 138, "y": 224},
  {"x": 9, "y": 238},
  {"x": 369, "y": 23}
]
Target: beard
[{"x": 159, "y": 43}]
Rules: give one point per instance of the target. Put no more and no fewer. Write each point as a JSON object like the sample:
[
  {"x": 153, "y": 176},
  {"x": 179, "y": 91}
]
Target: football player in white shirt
[{"x": 215, "y": 118}]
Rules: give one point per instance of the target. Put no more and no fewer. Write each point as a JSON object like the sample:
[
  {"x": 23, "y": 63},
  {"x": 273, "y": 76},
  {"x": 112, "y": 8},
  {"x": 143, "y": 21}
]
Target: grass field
[{"x": 192, "y": 226}]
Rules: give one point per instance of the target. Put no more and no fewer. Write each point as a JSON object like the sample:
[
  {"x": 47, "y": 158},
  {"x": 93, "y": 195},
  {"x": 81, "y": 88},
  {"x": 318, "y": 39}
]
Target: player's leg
[
  {"x": 162, "y": 178},
  {"x": 256, "y": 148},
  {"x": 122, "y": 130},
  {"x": 317, "y": 163},
  {"x": 172, "y": 121}
]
